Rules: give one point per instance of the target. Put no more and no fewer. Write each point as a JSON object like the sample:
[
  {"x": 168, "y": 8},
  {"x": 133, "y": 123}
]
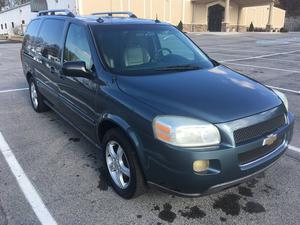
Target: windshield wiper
[{"x": 179, "y": 68}]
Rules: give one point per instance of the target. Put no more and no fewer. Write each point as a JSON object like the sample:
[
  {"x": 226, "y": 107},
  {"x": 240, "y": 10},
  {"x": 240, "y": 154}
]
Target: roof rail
[
  {"x": 56, "y": 12},
  {"x": 130, "y": 14}
]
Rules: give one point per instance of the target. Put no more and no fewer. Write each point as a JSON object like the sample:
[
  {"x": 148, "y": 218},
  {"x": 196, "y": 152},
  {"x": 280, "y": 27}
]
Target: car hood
[{"x": 216, "y": 95}]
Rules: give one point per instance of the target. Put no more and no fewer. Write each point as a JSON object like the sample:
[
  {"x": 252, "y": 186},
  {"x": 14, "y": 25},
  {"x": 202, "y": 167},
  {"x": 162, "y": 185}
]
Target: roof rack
[
  {"x": 130, "y": 14},
  {"x": 56, "y": 12}
]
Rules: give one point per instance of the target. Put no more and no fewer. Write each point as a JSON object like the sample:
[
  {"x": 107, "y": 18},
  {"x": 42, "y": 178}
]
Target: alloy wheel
[
  {"x": 117, "y": 164},
  {"x": 33, "y": 95}
]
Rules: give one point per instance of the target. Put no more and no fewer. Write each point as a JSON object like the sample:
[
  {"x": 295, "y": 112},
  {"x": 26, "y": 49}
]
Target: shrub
[
  {"x": 180, "y": 26},
  {"x": 259, "y": 29},
  {"x": 18, "y": 31},
  {"x": 251, "y": 28},
  {"x": 283, "y": 30}
]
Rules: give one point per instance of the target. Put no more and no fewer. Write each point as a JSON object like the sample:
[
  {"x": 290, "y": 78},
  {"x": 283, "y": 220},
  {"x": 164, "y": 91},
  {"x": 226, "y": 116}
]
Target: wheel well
[
  {"x": 28, "y": 76},
  {"x": 104, "y": 127}
]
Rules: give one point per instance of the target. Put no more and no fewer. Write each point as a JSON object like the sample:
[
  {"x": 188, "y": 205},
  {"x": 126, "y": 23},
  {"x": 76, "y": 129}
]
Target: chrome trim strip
[{"x": 277, "y": 151}]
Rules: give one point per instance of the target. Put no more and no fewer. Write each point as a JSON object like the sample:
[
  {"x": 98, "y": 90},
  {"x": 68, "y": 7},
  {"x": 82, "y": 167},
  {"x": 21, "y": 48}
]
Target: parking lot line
[
  {"x": 284, "y": 89},
  {"x": 294, "y": 148},
  {"x": 261, "y": 56},
  {"x": 235, "y": 50},
  {"x": 281, "y": 60},
  {"x": 265, "y": 59},
  {"x": 13, "y": 90},
  {"x": 26, "y": 186},
  {"x": 263, "y": 67}
]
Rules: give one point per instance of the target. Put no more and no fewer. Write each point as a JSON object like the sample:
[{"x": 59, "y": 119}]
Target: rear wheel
[
  {"x": 37, "y": 100},
  {"x": 121, "y": 164}
]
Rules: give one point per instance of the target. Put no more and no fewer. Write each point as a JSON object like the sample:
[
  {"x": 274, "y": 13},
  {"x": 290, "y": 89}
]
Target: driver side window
[
  {"x": 77, "y": 47},
  {"x": 170, "y": 41}
]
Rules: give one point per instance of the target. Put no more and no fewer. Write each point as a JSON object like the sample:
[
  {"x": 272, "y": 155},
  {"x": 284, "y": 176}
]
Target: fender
[{"x": 128, "y": 130}]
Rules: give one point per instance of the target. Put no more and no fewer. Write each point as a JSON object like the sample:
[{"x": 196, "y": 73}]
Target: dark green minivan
[{"x": 160, "y": 111}]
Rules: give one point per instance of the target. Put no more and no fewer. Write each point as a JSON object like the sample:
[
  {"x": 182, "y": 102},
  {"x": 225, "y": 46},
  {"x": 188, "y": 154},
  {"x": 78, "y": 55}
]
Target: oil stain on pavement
[
  {"x": 103, "y": 182},
  {"x": 166, "y": 214},
  {"x": 193, "y": 213},
  {"x": 254, "y": 207},
  {"x": 252, "y": 183},
  {"x": 245, "y": 191},
  {"x": 156, "y": 208},
  {"x": 229, "y": 204}
]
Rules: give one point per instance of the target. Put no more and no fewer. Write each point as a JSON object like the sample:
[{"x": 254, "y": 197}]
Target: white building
[
  {"x": 196, "y": 15},
  {"x": 15, "y": 20}
]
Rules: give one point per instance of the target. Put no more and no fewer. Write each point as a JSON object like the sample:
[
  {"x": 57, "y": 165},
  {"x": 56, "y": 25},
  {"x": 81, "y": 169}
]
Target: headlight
[
  {"x": 283, "y": 99},
  {"x": 185, "y": 132}
]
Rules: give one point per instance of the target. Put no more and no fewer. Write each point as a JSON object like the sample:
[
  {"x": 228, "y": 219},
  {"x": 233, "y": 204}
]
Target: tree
[
  {"x": 291, "y": 6},
  {"x": 251, "y": 28},
  {"x": 2, "y": 4},
  {"x": 180, "y": 26}
]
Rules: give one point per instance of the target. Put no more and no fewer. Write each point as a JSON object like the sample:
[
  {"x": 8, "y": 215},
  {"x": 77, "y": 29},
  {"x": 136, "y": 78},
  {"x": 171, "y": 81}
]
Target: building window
[
  {"x": 1, "y": 26},
  {"x": 12, "y": 25},
  {"x": 5, "y": 25},
  {"x": 23, "y": 21}
]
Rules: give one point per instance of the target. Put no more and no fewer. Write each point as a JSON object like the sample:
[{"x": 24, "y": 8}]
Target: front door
[
  {"x": 215, "y": 17},
  {"x": 77, "y": 94}
]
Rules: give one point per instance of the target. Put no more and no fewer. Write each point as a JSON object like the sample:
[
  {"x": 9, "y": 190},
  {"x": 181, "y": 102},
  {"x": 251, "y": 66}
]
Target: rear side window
[
  {"x": 31, "y": 36},
  {"x": 50, "y": 39},
  {"x": 77, "y": 46}
]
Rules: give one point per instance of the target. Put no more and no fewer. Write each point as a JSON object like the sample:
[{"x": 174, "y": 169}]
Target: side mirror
[{"x": 75, "y": 69}]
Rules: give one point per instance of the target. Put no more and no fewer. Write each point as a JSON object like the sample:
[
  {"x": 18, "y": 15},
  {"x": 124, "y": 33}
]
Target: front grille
[
  {"x": 252, "y": 155},
  {"x": 258, "y": 130}
]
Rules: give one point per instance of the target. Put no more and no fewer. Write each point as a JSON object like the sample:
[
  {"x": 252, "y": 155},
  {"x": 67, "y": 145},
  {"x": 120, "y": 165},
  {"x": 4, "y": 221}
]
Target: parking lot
[{"x": 65, "y": 169}]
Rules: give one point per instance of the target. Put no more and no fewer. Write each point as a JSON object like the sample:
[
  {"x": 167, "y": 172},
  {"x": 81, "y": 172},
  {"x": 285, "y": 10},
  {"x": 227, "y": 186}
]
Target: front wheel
[
  {"x": 121, "y": 164},
  {"x": 37, "y": 100}
]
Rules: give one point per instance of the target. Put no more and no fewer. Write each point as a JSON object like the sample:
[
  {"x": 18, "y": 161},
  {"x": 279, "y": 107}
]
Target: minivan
[{"x": 161, "y": 112}]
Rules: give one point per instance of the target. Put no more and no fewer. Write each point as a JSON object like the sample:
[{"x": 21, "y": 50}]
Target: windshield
[{"x": 147, "y": 49}]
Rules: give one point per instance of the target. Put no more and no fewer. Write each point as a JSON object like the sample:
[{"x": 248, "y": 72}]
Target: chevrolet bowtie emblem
[{"x": 270, "y": 140}]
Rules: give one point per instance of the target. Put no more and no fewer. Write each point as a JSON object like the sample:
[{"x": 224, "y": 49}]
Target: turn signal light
[{"x": 163, "y": 132}]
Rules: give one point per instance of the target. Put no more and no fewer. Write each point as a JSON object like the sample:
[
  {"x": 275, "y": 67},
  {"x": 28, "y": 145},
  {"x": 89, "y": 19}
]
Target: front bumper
[{"x": 170, "y": 168}]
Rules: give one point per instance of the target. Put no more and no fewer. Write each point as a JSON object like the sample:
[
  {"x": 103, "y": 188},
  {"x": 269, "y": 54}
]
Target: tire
[
  {"x": 37, "y": 100},
  {"x": 133, "y": 184}
]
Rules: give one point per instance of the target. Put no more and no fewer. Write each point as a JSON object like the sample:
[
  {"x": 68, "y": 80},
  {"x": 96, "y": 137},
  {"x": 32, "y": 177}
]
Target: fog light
[{"x": 200, "y": 165}]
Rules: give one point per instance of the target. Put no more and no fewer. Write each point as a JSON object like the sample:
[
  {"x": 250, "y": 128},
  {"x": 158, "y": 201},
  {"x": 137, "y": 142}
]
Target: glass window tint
[
  {"x": 77, "y": 46},
  {"x": 148, "y": 49},
  {"x": 169, "y": 41},
  {"x": 31, "y": 36},
  {"x": 50, "y": 39}
]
